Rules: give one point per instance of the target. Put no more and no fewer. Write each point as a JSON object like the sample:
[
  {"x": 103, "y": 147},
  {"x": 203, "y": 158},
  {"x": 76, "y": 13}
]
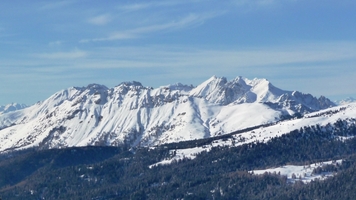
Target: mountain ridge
[{"x": 137, "y": 115}]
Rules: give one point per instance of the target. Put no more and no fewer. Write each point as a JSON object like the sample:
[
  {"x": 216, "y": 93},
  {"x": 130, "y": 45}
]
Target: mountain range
[
  {"x": 237, "y": 139},
  {"x": 133, "y": 114}
]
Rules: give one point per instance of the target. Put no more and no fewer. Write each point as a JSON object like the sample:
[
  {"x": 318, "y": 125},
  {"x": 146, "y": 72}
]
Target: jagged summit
[
  {"x": 137, "y": 115},
  {"x": 242, "y": 90}
]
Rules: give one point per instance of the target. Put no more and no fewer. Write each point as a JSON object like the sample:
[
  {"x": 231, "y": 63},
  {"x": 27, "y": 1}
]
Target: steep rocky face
[{"x": 137, "y": 115}]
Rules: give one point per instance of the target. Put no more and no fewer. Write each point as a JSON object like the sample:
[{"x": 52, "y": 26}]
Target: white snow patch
[
  {"x": 180, "y": 154},
  {"x": 300, "y": 172}
]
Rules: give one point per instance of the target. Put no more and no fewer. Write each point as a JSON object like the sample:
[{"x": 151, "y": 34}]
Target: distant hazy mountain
[
  {"x": 11, "y": 107},
  {"x": 346, "y": 101},
  {"x": 143, "y": 116}
]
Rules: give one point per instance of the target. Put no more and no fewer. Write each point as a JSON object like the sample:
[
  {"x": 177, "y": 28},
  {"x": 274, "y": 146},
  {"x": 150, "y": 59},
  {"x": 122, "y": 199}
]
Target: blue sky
[{"x": 304, "y": 45}]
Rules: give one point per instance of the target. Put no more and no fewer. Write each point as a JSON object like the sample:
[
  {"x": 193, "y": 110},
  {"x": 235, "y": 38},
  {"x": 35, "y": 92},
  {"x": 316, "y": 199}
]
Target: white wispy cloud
[
  {"x": 56, "y": 4},
  {"x": 300, "y": 57},
  {"x": 113, "y": 36},
  {"x": 135, "y": 7},
  {"x": 155, "y": 4},
  {"x": 256, "y": 2},
  {"x": 326, "y": 66},
  {"x": 55, "y": 43},
  {"x": 188, "y": 21},
  {"x": 100, "y": 19},
  {"x": 255, "y": 5},
  {"x": 255, "y": 57},
  {"x": 63, "y": 55}
]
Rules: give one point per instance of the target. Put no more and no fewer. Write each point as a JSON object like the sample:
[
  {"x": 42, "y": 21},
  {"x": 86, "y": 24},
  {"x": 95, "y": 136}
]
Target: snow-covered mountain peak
[
  {"x": 210, "y": 89},
  {"x": 240, "y": 80},
  {"x": 125, "y": 87},
  {"x": 209, "y": 85},
  {"x": 264, "y": 90},
  {"x": 257, "y": 82}
]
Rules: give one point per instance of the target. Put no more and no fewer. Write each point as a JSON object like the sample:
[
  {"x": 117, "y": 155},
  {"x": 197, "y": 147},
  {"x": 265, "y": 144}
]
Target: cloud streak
[
  {"x": 188, "y": 21},
  {"x": 56, "y": 4},
  {"x": 100, "y": 20},
  {"x": 63, "y": 55},
  {"x": 257, "y": 57},
  {"x": 259, "y": 3},
  {"x": 154, "y": 4},
  {"x": 289, "y": 67},
  {"x": 160, "y": 42}
]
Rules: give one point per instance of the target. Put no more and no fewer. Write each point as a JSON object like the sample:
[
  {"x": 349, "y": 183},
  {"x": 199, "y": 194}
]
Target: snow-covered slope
[
  {"x": 325, "y": 120},
  {"x": 11, "y": 107},
  {"x": 137, "y": 115}
]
